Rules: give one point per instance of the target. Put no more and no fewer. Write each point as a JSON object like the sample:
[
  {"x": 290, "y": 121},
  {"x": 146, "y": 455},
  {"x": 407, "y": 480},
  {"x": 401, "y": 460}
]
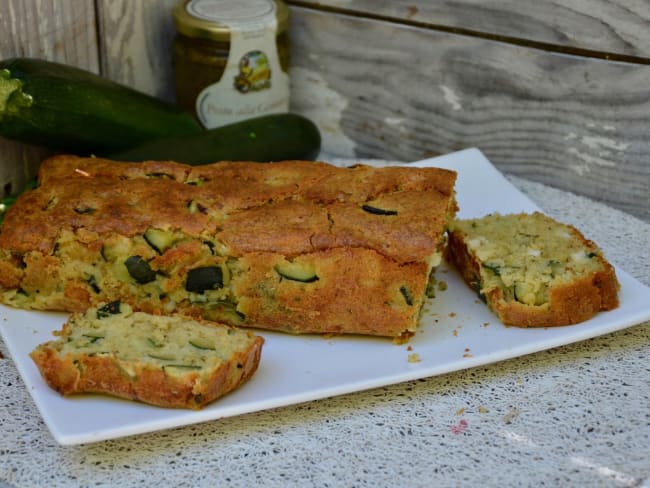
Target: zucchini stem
[{"x": 12, "y": 97}]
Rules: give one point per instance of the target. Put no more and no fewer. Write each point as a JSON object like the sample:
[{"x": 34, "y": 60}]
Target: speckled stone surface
[{"x": 578, "y": 415}]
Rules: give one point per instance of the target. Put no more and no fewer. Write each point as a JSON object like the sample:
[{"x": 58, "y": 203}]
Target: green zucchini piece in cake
[
  {"x": 204, "y": 278},
  {"x": 293, "y": 271},
  {"x": 377, "y": 211},
  {"x": 160, "y": 240},
  {"x": 139, "y": 270}
]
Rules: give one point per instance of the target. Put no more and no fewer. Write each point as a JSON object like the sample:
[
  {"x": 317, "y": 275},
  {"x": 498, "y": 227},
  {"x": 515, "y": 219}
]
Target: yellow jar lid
[{"x": 210, "y": 19}]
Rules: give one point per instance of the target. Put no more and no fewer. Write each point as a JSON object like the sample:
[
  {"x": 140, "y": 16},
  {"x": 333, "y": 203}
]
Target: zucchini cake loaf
[
  {"x": 169, "y": 361},
  {"x": 294, "y": 246},
  {"x": 531, "y": 270}
]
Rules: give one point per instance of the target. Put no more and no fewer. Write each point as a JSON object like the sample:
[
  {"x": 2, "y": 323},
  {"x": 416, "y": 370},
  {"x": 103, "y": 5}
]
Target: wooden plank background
[
  {"x": 556, "y": 92},
  {"x": 617, "y": 27}
]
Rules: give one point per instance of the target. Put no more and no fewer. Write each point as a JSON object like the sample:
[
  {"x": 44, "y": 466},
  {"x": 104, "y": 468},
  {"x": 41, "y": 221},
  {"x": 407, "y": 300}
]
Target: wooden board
[
  {"x": 136, "y": 44},
  {"x": 618, "y": 27}
]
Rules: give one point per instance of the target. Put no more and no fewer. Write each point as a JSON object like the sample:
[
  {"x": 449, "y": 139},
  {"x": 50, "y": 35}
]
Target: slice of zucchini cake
[
  {"x": 531, "y": 270},
  {"x": 169, "y": 361}
]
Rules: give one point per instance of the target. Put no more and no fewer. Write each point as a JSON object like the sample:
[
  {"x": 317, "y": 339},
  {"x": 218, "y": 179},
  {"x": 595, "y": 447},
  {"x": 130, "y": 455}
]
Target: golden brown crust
[
  {"x": 357, "y": 302},
  {"x": 390, "y": 219},
  {"x": 11, "y": 274},
  {"x": 102, "y": 197},
  {"x": 568, "y": 303}
]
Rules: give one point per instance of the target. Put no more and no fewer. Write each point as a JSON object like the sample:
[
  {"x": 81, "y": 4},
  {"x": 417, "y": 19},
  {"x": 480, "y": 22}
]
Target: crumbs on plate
[
  {"x": 512, "y": 414},
  {"x": 414, "y": 358}
]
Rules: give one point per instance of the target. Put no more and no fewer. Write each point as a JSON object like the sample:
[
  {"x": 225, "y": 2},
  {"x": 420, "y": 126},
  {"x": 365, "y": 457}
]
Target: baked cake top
[{"x": 290, "y": 207}]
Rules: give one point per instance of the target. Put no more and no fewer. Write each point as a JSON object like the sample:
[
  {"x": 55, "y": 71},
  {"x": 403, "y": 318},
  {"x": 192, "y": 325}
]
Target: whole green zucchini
[
  {"x": 275, "y": 137},
  {"x": 69, "y": 109}
]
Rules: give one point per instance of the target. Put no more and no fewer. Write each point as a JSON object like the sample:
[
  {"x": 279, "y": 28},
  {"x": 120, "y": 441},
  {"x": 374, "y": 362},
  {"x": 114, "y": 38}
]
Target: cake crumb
[
  {"x": 455, "y": 332},
  {"x": 452, "y": 314},
  {"x": 512, "y": 414},
  {"x": 482, "y": 409},
  {"x": 460, "y": 411},
  {"x": 414, "y": 358},
  {"x": 468, "y": 354},
  {"x": 409, "y": 348}
]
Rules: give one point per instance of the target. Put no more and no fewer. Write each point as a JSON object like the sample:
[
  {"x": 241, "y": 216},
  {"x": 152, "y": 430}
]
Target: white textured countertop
[{"x": 578, "y": 415}]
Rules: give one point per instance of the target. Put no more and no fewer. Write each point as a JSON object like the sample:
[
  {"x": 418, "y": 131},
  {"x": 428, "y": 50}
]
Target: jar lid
[{"x": 211, "y": 19}]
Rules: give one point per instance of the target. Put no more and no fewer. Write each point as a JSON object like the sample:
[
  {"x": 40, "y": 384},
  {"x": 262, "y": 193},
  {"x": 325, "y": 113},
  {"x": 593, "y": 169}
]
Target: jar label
[{"x": 253, "y": 83}]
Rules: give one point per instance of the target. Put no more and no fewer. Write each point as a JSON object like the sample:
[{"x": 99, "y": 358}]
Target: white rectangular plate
[{"x": 456, "y": 332}]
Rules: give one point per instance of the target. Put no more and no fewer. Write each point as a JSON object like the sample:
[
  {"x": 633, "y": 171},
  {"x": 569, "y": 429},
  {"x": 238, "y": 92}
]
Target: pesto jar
[{"x": 231, "y": 59}]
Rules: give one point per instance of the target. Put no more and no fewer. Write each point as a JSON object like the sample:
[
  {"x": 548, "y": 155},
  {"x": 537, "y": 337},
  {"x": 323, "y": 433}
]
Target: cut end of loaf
[{"x": 531, "y": 270}]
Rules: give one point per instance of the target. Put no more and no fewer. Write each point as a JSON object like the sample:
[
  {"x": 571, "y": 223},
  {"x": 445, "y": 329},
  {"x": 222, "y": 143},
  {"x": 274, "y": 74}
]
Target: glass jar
[{"x": 231, "y": 59}]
